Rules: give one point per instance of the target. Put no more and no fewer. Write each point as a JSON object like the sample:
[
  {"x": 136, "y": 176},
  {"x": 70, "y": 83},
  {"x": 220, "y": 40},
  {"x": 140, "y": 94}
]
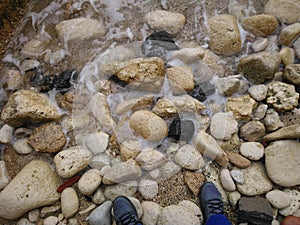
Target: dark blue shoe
[
  {"x": 125, "y": 212},
  {"x": 210, "y": 200}
]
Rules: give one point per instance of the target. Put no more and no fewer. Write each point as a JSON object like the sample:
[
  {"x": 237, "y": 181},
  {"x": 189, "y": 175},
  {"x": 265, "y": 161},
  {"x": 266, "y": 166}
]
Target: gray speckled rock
[
  {"x": 292, "y": 73},
  {"x": 28, "y": 190},
  {"x": 256, "y": 181},
  {"x": 6, "y": 133},
  {"x": 252, "y": 131},
  {"x": 252, "y": 150},
  {"x": 89, "y": 181},
  {"x": 258, "y": 92},
  {"x": 283, "y": 162},
  {"x": 226, "y": 180},
  {"x": 150, "y": 159},
  {"x": 272, "y": 120},
  {"x": 101, "y": 215}
]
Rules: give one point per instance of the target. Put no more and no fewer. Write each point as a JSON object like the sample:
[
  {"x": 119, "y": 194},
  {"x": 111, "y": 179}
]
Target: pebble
[
  {"x": 89, "y": 181},
  {"x": 286, "y": 11},
  {"x": 231, "y": 144},
  {"x": 181, "y": 79},
  {"x": 258, "y": 92},
  {"x": 290, "y": 220},
  {"x": 6, "y": 134},
  {"x": 151, "y": 211},
  {"x": 193, "y": 208},
  {"x": 51, "y": 220},
  {"x": 15, "y": 202},
  {"x": 242, "y": 107},
  {"x": 175, "y": 214},
  {"x": 33, "y": 215},
  {"x": 123, "y": 171},
  {"x": 148, "y": 189},
  {"x": 98, "y": 196},
  {"x": 28, "y": 107},
  {"x": 224, "y": 35},
  {"x": 292, "y": 73},
  {"x": 148, "y": 125},
  {"x": 260, "y": 112},
  {"x": 189, "y": 158},
  {"x": 278, "y": 199},
  {"x": 47, "y": 138},
  {"x": 289, "y": 34},
  {"x": 102, "y": 214},
  {"x": 14, "y": 80},
  {"x": 150, "y": 159},
  {"x": 237, "y": 176},
  {"x": 130, "y": 149},
  {"x": 272, "y": 120},
  {"x": 69, "y": 202},
  {"x": 282, "y": 96},
  {"x": 282, "y": 162},
  {"x": 296, "y": 46},
  {"x": 260, "y": 25},
  {"x": 97, "y": 142},
  {"x": 227, "y": 86},
  {"x": 233, "y": 198},
  {"x": 252, "y": 131},
  {"x": 223, "y": 126},
  {"x": 70, "y": 161},
  {"x": 80, "y": 29},
  {"x": 238, "y": 160},
  {"x": 208, "y": 147},
  {"x": 127, "y": 188},
  {"x": 165, "y": 20},
  {"x": 24, "y": 221},
  {"x": 50, "y": 210},
  {"x": 258, "y": 67},
  {"x": 165, "y": 108},
  {"x": 293, "y": 208},
  {"x": 226, "y": 180},
  {"x": 4, "y": 176},
  {"x": 287, "y": 56},
  {"x": 189, "y": 55},
  {"x": 186, "y": 103},
  {"x": 260, "y": 44},
  {"x": 256, "y": 181},
  {"x": 22, "y": 147},
  {"x": 135, "y": 103},
  {"x": 287, "y": 132},
  {"x": 252, "y": 150}
]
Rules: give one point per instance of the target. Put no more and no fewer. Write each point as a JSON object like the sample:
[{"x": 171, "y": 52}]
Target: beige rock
[
  {"x": 256, "y": 181},
  {"x": 260, "y": 25},
  {"x": 150, "y": 159},
  {"x": 70, "y": 161},
  {"x": 242, "y": 107},
  {"x": 151, "y": 212},
  {"x": 189, "y": 158},
  {"x": 89, "y": 182},
  {"x": 259, "y": 67},
  {"x": 287, "y": 11},
  {"x": 278, "y": 199},
  {"x": 69, "y": 202},
  {"x": 97, "y": 142},
  {"x": 6, "y": 134},
  {"x": 252, "y": 131},
  {"x": 226, "y": 180},
  {"x": 208, "y": 146},
  {"x": 35, "y": 47},
  {"x": 165, "y": 20},
  {"x": 252, "y": 150},
  {"x": 80, "y": 29},
  {"x": 287, "y": 56},
  {"x": 231, "y": 144},
  {"x": 148, "y": 125},
  {"x": 165, "y": 108},
  {"x": 227, "y": 86},
  {"x": 282, "y": 162},
  {"x": 130, "y": 149},
  {"x": 143, "y": 102},
  {"x": 223, "y": 126},
  {"x": 47, "y": 138},
  {"x": 289, "y": 132},
  {"x": 21, "y": 146},
  {"x": 28, "y": 107},
  {"x": 4, "y": 176},
  {"x": 14, "y": 80},
  {"x": 193, "y": 207},
  {"x": 186, "y": 103},
  {"x": 194, "y": 181},
  {"x": 224, "y": 35},
  {"x": 260, "y": 44},
  {"x": 238, "y": 160},
  {"x": 181, "y": 79},
  {"x": 289, "y": 34},
  {"x": 292, "y": 73},
  {"x": 189, "y": 55},
  {"x": 148, "y": 188},
  {"x": 28, "y": 190}
]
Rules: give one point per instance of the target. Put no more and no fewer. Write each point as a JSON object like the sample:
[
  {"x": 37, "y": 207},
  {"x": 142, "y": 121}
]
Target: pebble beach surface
[{"x": 149, "y": 99}]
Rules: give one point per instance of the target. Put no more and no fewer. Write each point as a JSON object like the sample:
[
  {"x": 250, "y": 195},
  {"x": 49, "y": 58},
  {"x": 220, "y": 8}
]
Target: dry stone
[
  {"x": 238, "y": 160},
  {"x": 144, "y": 101},
  {"x": 28, "y": 107},
  {"x": 287, "y": 56},
  {"x": 258, "y": 92},
  {"x": 223, "y": 126},
  {"x": 189, "y": 158},
  {"x": 28, "y": 190},
  {"x": 288, "y": 132},
  {"x": 242, "y": 107},
  {"x": 181, "y": 79},
  {"x": 150, "y": 159},
  {"x": 224, "y": 35},
  {"x": 89, "y": 182},
  {"x": 260, "y": 25},
  {"x": 69, "y": 202},
  {"x": 252, "y": 131},
  {"x": 278, "y": 199},
  {"x": 289, "y": 34},
  {"x": 151, "y": 212},
  {"x": 292, "y": 73}
]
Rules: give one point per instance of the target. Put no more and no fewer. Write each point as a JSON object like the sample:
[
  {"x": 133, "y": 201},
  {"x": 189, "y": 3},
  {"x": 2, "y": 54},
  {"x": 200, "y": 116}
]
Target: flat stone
[
  {"x": 287, "y": 11},
  {"x": 21, "y": 146},
  {"x": 28, "y": 107},
  {"x": 272, "y": 120},
  {"x": 242, "y": 107},
  {"x": 252, "y": 150},
  {"x": 28, "y": 190},
  {"x": 47, "y": 138},
  {"x": 194, "y": 208},
  {"x": 69, "y": 202},
  {"x": 258, "y": 67},
  {"x": 289, "y": 34},
  {"x": 292, "y": 73},
  {"x": 223, "y": 126},
  {"x": 237, "y": 176},
  {"x": 255, "y": 210},
  {"x": 260, "y": 111},
  {"x": 186, "y": 103},
  {"x": 148, "y": 188},
  {"x": 181, "y": 79},
  {"x": 258, "y": 92},
  {"x": 260, "y": 25},
  {"x": 148, "y": 125},
  {"x": 150, "y": 159},
  {"x": 288, "y": 132},
  {"x": 282, "y": 162},
  {"x": 256, "y": 181},
  {"x": 194, "y": 181},
  {"x": 165, "y": 20},
  {"x": 224, "y": 35},
  {"x": 70, "y": 161},
  {"x": 102, "y": 214},
  {"x": 278, "y": 199},
  {"x": 100, "y": 161},
  {"x": 238, "y": 160},
  {"x": 169, "y": 168},
  {"x": 98, "y": 196},
  {"x": 80, "y": 29},
  {"x": 252, "y": 131},
  {"x": 282, "y": 96},
  {"x": 89, "y": 182},
  {"x": 124, "y": 171},
  {"x": 151, "y": 211}
]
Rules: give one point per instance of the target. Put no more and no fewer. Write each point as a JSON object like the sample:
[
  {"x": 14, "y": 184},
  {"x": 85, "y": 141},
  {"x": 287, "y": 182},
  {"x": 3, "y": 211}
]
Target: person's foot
[
  {"x": 210, "y": 200},
  {"x": 124, "y": 211}
]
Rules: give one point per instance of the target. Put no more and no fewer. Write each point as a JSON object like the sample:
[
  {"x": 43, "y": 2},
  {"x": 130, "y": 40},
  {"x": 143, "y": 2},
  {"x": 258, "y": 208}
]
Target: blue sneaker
[
  {"x": 210, "y": 200},
  {"x": 125, "y": 212}
]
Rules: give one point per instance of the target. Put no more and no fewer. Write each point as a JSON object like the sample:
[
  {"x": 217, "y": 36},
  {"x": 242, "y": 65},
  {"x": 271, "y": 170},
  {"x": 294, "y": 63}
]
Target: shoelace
[
  {"x": 127, "y": 219},
  {"x": 215, "y": 206}
]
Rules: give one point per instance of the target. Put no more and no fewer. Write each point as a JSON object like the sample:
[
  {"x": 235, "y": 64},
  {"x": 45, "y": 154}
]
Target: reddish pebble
[{"x": 291, "y": 220}]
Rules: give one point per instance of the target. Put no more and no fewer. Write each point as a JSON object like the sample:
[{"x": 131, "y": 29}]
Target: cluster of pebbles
[{"x": 140, "y": 113}]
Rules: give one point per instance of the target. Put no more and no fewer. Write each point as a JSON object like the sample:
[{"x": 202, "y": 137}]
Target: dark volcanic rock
[
  {"x": 254, "y": 211},
  {"x": 201, "y": 91},
  {"x": 181, "y": 129}
]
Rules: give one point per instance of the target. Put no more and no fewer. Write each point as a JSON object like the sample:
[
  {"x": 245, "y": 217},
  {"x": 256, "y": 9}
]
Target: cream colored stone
[
  {"x": 181, "y": 79},
  {"x": 150, "y": 159},
  {"x": 165, "y": 108},
  {"x": 144, "y": 101},
  {"x": 89, "y": 181},
  {"x": 287, "y": 56},
  {"x": 242, "y": 107},
  {"x": 69, "y": 202}
]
